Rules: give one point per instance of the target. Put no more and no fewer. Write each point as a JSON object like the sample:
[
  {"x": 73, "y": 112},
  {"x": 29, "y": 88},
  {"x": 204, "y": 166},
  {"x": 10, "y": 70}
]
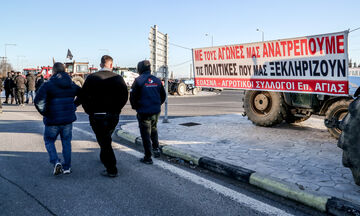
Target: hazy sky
[{"x": 46, "y": 29}]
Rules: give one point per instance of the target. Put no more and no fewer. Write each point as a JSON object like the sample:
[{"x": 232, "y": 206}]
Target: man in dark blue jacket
[
  {"x": 146, "y": 96},
  {"x": 55, "y": 101}
]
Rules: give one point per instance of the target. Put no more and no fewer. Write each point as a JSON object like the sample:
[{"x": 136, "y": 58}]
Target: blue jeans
[
  {"x": 28, "y": 94},
  {"x": 50, "y": 135}
]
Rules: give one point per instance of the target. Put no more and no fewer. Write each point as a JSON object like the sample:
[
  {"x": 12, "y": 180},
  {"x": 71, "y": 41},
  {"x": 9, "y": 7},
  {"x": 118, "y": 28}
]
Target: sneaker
[
  {"x": 111, "y": 175},
  {"x": 146, "y": 160},
  {"x": 156, "y": 152},
  {"x": 58, "y": 169},
  {"x": 68, "y": 171}
]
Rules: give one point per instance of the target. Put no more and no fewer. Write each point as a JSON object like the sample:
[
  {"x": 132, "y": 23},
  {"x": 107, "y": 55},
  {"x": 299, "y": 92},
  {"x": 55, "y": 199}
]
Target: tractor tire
[
  {"x": 78, "y": 81},
  {"x": 337, "y": 110},
  {"x": 290, "y": 118},
  {"x": 264, "y": 108},
  {"x": 349, "y": 140},
  {"x": 195, "y": 91},
  {"x": 181, "y": 89}
]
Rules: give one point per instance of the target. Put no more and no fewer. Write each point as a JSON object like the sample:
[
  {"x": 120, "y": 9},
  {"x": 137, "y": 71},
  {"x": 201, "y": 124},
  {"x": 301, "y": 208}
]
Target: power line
[
  {"x": 354, "y": 29},
  {"x": 180, "y": 46},
  {"x": 180, "y": 63}
]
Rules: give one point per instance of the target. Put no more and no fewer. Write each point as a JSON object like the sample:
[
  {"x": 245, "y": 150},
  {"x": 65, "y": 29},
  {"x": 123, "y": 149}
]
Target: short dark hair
[
  {"x": 106, "y": 58},
  {"x": 58, "y": 67},
  {"x": 143, "y": 66}
]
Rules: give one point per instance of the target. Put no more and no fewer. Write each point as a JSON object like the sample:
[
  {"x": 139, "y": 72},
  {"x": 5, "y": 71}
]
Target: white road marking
[{"x": 257, "y": 205}]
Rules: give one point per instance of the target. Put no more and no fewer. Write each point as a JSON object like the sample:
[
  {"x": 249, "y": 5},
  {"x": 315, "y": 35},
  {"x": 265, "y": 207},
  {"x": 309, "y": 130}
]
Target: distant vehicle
[
  {"x": 92, "y": 69},
  {"x": 129, "y": 74},
  {"x": 31, "y": 70},
  {"x": 354, "y": 79},
  {"x": 78, "y": 71},
  {"x": 182, "y": 86},
  {"x": 46, "y": 72}
]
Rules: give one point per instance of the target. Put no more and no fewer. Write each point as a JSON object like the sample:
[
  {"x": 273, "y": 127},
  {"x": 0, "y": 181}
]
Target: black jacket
[
  {"x": 55, "y": 100},
  {"x": 104, "y": 92},
  {"x": 9, "y": 83},
  {"x": 38, "y": 82},
  {"x": 147, "y": 94}
]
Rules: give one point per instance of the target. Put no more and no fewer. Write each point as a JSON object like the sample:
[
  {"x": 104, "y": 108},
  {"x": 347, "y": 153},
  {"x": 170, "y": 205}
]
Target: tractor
[{"x": 78, "y": 71}]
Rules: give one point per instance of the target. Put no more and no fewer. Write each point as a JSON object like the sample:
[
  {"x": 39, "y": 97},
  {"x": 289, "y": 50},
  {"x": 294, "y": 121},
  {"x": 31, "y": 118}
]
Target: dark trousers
[
  {"x": 103, "y": 127},
  {"x": 8, "y": 93},
  {"x": 20, "y": 95},
  {"x": 14, "y": 92},
  {"x": 148, "y": 131}
]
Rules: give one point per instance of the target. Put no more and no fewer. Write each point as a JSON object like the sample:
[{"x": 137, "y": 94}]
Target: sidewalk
[{"x": 303, "y": 155}]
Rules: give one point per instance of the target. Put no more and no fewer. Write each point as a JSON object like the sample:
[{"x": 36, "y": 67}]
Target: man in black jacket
[
  {"x": 146, "y": 96},
  {"x": 103, "y": 95},
  {"x": 38, "y": 81},
  {"x": 55, "y": 102},
  {"x": 8, "y": 85}
]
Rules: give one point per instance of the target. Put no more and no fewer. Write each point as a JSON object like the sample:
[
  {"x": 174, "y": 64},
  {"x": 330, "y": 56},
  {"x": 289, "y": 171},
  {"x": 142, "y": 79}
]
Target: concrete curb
[{"x": 328, "y": 204}]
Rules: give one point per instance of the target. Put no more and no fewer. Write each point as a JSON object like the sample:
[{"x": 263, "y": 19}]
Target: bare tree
[{"x": 4, "y": 68}]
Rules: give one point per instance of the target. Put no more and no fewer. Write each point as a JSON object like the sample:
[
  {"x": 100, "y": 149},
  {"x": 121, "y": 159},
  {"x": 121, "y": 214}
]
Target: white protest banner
[{"x": 312, "y": 64}]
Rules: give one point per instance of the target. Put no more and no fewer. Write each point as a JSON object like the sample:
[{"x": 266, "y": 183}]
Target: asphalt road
[{"x": 27, "y": 186}]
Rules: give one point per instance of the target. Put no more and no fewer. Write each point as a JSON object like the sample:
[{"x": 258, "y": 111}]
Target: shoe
[
  {"x": 58, "y": 169},
  {"x": 111, "y": 175},
  {"x": 146, "y": 160},
  {"x": 68, "y": 171},
  {"x": 156, "y": 152}
]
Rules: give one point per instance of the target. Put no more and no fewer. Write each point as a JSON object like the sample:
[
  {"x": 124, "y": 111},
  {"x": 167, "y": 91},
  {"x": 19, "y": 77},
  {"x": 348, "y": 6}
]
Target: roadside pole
[
  {"x": 166, "y": 119},
  {"x": 159, "y": 43}
]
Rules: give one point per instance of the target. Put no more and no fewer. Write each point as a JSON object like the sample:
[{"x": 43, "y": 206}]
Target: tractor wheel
[
  {"x": 349, "y": 140},
  {"x": 290, "y": 118},
  {"x": 264, "y": 108},
  {"x": 337, "y": 110},
  {"x": 181, "y": 89},
  {"x": 78, "y": 81},
  {"x": 195, "y": 91}
]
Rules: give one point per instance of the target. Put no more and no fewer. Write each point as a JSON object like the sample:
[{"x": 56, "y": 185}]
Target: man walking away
[
  {"x": 55, "y": 101},
  {"x": 30, "y": 83},
  {"x": 20, "y": 83},
  {"x": 146, "y": 96},
  {"x": 103, "y": 95},
  {"x": 8, "y": 85}
]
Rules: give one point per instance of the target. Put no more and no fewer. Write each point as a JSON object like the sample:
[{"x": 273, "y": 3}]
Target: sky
[{"x": 46, "y": 29}]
